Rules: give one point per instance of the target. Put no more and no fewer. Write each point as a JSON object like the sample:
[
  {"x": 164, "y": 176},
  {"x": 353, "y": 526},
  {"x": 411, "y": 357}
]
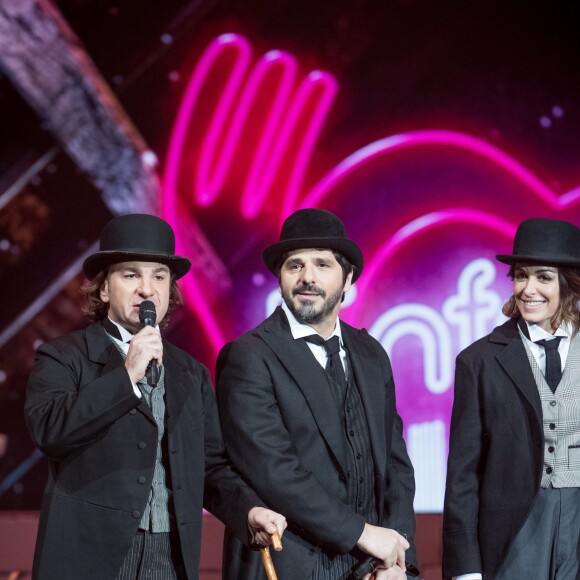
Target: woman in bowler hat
[{"x": 512, "y": 502}]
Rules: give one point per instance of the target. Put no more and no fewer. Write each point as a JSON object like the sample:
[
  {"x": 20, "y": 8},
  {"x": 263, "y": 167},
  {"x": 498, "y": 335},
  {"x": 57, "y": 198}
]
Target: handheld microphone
[
  {"x": 365, "y": 567},
  {"x": 147, "y": 317},
  {"x": 370, "y": 565}
]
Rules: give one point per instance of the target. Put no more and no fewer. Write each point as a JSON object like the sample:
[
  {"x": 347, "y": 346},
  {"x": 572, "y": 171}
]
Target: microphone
[
  {"x": 147, "y": 317},
  {"x": 365, "y": 567},
  {"x": 370, "y": 565}
]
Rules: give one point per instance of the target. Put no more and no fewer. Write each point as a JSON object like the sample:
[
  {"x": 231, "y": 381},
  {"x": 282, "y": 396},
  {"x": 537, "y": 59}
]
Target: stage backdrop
[
  {"x": 430, "y": 128},
  {"x": 430, "y": 208}
]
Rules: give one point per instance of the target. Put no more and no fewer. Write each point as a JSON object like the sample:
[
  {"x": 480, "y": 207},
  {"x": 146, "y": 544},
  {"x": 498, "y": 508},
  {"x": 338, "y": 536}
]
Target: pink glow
[
  {"x": 439, "y": 139},
  {"x": 170, "y": 207},
  {"x": 417, "y": 227},
  {"x": 264, "y": 164},
  {"x": 210, "y": 182},
  {"x": 183, "y": 120},
  {"x": 310, "y": 104}
]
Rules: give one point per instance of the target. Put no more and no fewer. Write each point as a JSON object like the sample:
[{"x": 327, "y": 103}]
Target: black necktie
[
  {"x": 333, "y": 362},
  {"x": 553, "y": 362}
]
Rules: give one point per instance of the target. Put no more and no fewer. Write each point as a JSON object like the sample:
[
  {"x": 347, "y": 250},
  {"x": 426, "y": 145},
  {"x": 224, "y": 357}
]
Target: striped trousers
[{"x": 153, "y": 557}]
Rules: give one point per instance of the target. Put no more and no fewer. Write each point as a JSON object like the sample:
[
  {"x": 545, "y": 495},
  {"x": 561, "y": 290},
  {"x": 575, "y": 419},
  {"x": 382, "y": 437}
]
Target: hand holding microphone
[{"x": 148, "y": 317}]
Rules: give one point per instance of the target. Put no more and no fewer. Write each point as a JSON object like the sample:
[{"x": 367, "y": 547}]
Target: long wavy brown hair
[
  {"x": 569, "y": 311},
  {"x": 95, "y": 309}
]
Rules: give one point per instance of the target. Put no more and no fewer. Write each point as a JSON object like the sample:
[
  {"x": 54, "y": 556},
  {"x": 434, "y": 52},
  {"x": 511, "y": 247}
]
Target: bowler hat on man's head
[
  {"x": 313, "y": 228},
  {"x": 547, "y": 242},
  {"x": 136, "y": 237}
]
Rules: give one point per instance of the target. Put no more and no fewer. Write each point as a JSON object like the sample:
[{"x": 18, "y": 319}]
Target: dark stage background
[{"x": 431, "y": 128}]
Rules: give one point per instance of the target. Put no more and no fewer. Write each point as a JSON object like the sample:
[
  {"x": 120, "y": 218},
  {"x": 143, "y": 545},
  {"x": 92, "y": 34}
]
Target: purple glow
[
  {"x": 271, "y": 154},
  {"x": 440, "y": 139},
  {"x": 208, "y": 189},
  {"x": 415, "y": 228}
]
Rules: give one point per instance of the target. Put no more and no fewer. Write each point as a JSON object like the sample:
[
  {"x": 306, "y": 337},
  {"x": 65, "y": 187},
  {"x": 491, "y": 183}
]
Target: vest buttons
[
  {"x": 548, "y": 470},
  {"x": 553, "y": 403},
  {"x": 552, "y": 426},
  {"x": 550, "y": 449}
]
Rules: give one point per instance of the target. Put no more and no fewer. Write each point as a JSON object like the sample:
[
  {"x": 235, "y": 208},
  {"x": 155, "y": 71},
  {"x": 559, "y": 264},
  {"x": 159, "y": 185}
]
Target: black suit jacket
[
  {"x": 495, "y": 453},
  {"x": 284, "y": 435},
  {"x": 101, "y": 442}
]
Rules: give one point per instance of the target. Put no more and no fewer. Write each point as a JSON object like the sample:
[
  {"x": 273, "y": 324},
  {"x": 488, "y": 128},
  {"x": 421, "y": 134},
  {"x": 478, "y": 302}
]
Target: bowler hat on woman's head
[
  {"x": 547, "y": 242},
  {"x": 313, "y": 228},
  {"x": 136, "y": 237}
]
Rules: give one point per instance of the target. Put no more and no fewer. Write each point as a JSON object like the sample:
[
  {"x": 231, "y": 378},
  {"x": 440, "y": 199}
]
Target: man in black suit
[
  {"x": 133, "y": 457},
  {"x": 323, "y": 446}
]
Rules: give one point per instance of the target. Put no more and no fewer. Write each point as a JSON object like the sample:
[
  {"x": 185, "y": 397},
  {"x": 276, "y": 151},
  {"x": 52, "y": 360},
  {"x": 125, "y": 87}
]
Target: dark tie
[
  {"x": 333, "y": 362},
  {"x": 553, "y": 362}
]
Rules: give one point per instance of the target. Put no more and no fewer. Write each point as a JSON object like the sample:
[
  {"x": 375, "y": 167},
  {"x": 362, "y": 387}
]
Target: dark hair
[
  {"x": 347, "y": 267},
  {"x": 569, "y": 281},
  {"x": 95, "y": 309}
]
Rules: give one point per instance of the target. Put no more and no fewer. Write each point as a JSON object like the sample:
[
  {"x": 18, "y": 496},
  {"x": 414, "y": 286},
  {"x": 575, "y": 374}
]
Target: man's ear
[{"x": 104, "y": 291}]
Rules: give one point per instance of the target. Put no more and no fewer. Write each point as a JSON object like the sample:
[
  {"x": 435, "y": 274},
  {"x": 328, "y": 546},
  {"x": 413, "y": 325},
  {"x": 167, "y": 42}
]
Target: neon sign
[{"x": 430, "y": 285}]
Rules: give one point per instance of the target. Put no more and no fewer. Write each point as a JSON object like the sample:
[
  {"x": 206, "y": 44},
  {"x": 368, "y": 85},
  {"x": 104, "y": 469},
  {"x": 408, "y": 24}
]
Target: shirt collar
[
  {"x": 538, "y": 333},
  {"x": 300, "y": 330},
  {"x": 126, "y": 336}
]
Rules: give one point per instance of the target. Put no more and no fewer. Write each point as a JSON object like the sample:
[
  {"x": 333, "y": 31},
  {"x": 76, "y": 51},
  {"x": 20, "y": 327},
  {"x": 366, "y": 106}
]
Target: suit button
[
  {"x": 142, "y": 445},
  {"x": 548, "y": 470},
  {"x": 136, "y": 514},
  {"x": 132, "y": 412},
  {"x": 141, "y": 479}
]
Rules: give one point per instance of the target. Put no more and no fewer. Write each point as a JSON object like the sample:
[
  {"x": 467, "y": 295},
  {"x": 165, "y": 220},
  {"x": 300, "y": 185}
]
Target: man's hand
[
  {"x": 144, "y": 346},
  {"x": 263, "y": 523},
  {"x": 393, "y": 573},
  {"x": 385, "y": 544}
]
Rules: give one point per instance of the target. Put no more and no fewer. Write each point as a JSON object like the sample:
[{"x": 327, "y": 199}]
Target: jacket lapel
[
  {"x": 102, "y": 351},
  {"x": 514, "y": 360},
  {"x": 309, "y": 375}
]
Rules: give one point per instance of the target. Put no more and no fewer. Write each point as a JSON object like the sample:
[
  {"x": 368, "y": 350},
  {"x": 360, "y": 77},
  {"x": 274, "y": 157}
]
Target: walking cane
[{"x": 267, "y": 559}]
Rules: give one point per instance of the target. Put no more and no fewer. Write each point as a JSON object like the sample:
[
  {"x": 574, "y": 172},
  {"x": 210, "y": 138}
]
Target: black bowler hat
[
  {"x": 545, "y": 241},
  {"x": 313, "y": 228},
  {"x": 140, "y": 237}
]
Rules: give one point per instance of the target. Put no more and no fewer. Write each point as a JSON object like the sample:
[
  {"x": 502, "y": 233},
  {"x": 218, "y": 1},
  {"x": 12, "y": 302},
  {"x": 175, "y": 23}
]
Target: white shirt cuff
[
  {"x": 475, "y": 576},
  {"x": 136, "y": 389}
]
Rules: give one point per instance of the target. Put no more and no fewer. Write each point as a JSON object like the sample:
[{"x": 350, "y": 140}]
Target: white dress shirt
[
  {"x": 300, "y": 330},
  {"x": 124, "y": 346}
]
